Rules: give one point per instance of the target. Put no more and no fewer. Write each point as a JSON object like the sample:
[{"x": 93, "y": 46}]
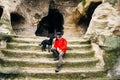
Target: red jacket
[{"x": 61, "y": 44}]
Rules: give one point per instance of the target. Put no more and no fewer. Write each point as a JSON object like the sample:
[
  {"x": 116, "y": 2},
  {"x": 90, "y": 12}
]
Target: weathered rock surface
[
  {"x": 5, "y": 21},
  {"x": 23, "y": 15},
  {"x": 112, "y": 2},
  {"x": 115, "y": 72},
  {"x": 80, "y": 12},
  {"x": 104, "y": 30},
  {"x": 105, "y": 20}
]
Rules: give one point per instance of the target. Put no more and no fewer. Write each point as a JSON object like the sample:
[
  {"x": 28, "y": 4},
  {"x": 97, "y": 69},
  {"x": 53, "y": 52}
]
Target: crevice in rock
[
  {"x": 85, "y": 20},
  {"x": 1, "y": 11}
]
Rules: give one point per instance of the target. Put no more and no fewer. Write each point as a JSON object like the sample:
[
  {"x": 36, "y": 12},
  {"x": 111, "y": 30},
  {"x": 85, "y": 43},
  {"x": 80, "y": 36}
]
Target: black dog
[{"x": 46, "y": 42}]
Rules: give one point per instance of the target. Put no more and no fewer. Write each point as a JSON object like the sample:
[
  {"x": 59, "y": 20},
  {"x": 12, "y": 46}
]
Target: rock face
[
  {"x": 24, "y": 15},
  {"x": 113, "y": 2},
  {"x": 105, "y": 18},
  {"x": 104, "y": 30},
  {"x": 81, "y": 15},
  {"x": 5, "y": 21},
  {"x": 5, "y": 26}
]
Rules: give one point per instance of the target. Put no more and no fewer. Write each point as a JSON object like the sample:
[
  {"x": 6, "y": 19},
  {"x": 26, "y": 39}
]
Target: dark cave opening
[
  {"x": 1, "y": 11},
  {"x": 17, "y": 22},
  {"x": 85, "y": 20},
  {"x": 51, "y": 23},
  {"x": 17, "y": 19}
]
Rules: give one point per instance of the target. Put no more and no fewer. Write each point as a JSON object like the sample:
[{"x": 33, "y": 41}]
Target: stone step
[
  {"x": 48, "y": 62},
  {"x": 23, "y": 59},
  {"x": 103, "y": 78},
  {"x": 32, "y": 78},
  {"x": 33, "y": 46},
  {"x": 39, "y": 54},
  {"x": 48, "y": 73},
  {"x": 32, "y": 37},
  {"x": 41, "y": 37},
  {"x": 32, "y": 40}
]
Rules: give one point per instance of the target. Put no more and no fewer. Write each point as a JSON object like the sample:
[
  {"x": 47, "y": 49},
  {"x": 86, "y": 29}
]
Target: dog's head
[{"x": 51, "y": 37}]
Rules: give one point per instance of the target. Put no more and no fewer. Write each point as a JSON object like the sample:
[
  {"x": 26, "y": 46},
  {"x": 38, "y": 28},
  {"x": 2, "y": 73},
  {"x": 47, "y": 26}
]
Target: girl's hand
[{"x": 60, "y": 51}]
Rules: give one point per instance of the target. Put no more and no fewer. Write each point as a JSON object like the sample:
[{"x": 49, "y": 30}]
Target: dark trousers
[{"x": 59, "y": 56}]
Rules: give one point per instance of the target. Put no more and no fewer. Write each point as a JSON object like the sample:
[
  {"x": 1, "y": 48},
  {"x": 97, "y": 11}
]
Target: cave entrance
[
  {"x": 1, "y": 11},
  {"x": 51, "y": 23},
  {"x": 85, "y": 20},
  {"x": 17, "y": 21}
]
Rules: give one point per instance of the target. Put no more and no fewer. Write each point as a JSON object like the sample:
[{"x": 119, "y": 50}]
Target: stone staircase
[{"x": 23, "y": 60}]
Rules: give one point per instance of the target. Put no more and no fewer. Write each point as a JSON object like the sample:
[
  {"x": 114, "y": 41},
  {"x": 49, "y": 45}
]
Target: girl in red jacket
[{"x": 59, "y": 49}]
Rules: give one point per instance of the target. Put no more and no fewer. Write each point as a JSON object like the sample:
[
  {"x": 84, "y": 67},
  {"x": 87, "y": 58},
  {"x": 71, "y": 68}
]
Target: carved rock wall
[
  {"x": 24, "y": 15},
  {"x": 104, "y": 31}
]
